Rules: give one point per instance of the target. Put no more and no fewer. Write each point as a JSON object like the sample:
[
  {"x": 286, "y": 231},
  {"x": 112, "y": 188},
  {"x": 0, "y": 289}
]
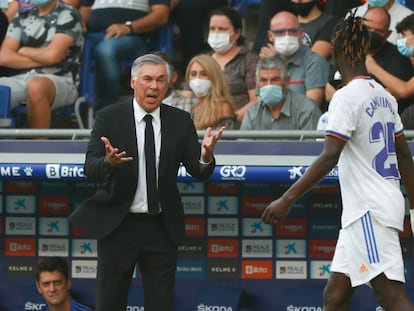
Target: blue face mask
[
  {"x": 377, "y": 3},
  {"x": 271, "y": 95},
  {"x": 40, "y": 2},
  {"x": 402, "y": 47}
]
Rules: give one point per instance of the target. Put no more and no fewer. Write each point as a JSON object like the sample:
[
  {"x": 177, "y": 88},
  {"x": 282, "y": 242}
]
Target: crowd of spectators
[{"x": 216, "y": 75}]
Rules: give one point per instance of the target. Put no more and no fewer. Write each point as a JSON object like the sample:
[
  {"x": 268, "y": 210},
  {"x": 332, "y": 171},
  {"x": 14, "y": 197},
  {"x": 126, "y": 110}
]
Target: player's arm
[
  {"x": 406, "y": 168},
  {"x": 278, "y": 209}
]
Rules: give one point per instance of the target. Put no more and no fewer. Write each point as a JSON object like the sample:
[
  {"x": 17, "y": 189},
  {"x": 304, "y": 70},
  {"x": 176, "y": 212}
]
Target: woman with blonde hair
[{"x": 213, "y": 107}]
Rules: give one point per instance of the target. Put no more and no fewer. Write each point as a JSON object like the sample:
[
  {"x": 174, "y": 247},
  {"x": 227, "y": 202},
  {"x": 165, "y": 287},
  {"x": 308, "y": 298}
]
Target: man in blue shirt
[{"x": 54, "y": 284}]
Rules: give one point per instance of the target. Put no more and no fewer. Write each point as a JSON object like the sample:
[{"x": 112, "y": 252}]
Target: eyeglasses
[{"x": 285, "y": 31}]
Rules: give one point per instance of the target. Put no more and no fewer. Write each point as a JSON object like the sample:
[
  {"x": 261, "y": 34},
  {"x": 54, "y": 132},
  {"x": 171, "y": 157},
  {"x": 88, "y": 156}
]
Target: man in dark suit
[{"x": 119, "y": 215}]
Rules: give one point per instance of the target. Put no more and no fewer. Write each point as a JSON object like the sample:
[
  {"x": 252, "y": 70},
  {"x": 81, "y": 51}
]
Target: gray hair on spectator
[
  {"x": 149, "y": 59},
  {"x": 272, "y": 62}
]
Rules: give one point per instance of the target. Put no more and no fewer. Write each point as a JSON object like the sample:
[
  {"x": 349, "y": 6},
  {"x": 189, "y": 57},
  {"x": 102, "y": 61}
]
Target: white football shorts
[{"x": 365, "y": 249}]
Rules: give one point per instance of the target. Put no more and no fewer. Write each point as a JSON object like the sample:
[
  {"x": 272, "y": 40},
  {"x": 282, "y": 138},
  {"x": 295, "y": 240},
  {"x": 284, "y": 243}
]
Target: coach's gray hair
[
  {"x": 149, "y": 59},
  {"x": 272, "y": 62}
]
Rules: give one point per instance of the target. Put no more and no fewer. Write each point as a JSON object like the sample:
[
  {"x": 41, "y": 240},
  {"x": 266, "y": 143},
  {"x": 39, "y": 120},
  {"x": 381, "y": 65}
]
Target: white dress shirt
[{"x": 140, "y": 203}]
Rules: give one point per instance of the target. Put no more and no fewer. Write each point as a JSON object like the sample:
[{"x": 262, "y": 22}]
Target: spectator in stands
[
  {"x": 397, "y": 13},
  {"x": 384, "y": 53},
  {"x": 4, "y": 23},
  {"x": 237, "y": 62},
  {"x": 383, "y": 62},
  {"x": 174, "y": 98},
  {"x": 25, "y": 5},
  {"x": 407, "y": 118},
  {"x": 340, "y": 7},
  {"x": 7, "y": 12},
  {"x": 214, "y": 106},
  {"x": 53, "y": 283},
  {"x": 11, "y": 9},
  {"x": 45, "y": 45},
  {"x": 316, "y": 24},
  {"x": 308, "y": 71},
  {"x": 268, "y": 8},
  {"x": 191, "y": 16},
  {"x": 279, "y": 108},
  {"x": 405, "y": 44},
  {"x": 75, "y": 3},
  {"x": 119, "y": 31}
]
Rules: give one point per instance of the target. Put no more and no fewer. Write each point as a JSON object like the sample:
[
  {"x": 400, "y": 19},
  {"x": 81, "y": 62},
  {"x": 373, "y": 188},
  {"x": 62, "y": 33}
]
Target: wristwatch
[{"x": 129, "y": 24}]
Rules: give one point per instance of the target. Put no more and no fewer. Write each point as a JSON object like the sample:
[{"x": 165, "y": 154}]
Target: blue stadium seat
[
  {"x": 6, "y": 120},
  {"x": 163, "y": 42},
  {"x": 86, "y": 88},
  {"x": 231, "y": 298},
  {"x": 66, "y": 111}
]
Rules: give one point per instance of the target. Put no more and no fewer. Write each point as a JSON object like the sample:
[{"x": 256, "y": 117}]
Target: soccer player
[{"x": 364, "y": 135}]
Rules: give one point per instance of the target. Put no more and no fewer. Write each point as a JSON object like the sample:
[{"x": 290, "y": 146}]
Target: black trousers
[{"x": 142, "y": 239}]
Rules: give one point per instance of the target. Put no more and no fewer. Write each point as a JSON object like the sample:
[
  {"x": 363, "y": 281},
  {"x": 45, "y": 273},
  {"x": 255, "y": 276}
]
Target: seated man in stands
[
  {"x": 53, "y": 283},
  {"x": 279, "y": 108},
  {"x": 44, "y": 45},
  {"x": 388, "y": 65},
  {"x": 117, "y": 31},
  {"x": 308, "y": 71},
  {"x": 396, "y": 10},
  {"x": 384, "y": 53}
]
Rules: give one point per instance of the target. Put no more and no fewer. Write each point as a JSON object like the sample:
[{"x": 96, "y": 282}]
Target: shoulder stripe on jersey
[
  {"x": 399, "y": 133},
  {"x": 336, "y": 135}
]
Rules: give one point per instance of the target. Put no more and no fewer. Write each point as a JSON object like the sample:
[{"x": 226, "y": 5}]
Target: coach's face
[{"x": 150, "y": 86}]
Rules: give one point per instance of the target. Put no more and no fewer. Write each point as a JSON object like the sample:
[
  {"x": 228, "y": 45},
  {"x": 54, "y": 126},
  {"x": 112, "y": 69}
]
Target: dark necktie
[{"x": 150, "y": 166}]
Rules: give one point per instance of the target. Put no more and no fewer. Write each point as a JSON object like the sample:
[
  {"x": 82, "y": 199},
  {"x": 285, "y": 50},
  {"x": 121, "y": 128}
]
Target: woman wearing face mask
[
  {"x": 237, "y": 62},
  {"x": 213, "y": 106},
  {"x": 405, "y": 44},
  {"x": 316, "y": 24}
]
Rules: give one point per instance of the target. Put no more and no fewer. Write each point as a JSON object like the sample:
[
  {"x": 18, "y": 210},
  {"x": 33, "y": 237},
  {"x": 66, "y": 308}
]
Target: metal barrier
[{"x": 75, "y": 134}]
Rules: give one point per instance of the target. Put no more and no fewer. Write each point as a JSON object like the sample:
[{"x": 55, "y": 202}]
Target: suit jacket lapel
[
  {"x": 165, "y": 125},
  {"x": 129, "y": 131}
]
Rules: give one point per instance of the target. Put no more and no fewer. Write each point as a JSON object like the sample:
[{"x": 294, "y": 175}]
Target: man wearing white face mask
[
  {"x": 308, "y": 70},
  {"x": 396, "y": 10},
  {"x": 279, "y": 108}
]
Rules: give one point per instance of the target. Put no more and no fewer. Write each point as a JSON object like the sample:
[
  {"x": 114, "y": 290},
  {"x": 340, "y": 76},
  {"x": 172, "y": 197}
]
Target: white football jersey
[{"x": 365, "y": 115}]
